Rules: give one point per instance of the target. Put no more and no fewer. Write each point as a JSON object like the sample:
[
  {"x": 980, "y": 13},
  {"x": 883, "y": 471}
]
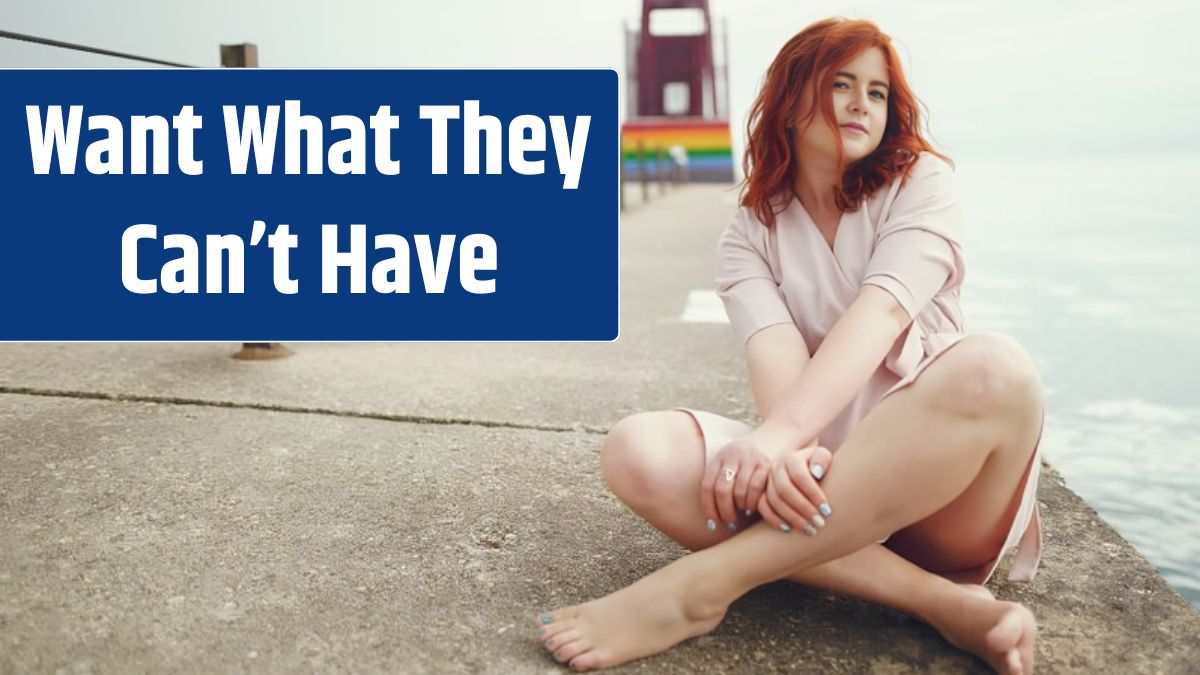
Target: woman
[{"x": 924, "y": 440}]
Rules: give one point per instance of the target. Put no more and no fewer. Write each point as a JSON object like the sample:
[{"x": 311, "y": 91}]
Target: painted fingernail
[
  {"x": 825, "y": 510},
  {"x": 547, "y": 617},
  {"x": 810, "y": 530},
  {"x": 818, "y": 471},
  {"x": 731, "y": 526},
  {"x": 711, "y": 525},
  {"x": 785, "y": 527},
  {"x": 818, "y": 520}
]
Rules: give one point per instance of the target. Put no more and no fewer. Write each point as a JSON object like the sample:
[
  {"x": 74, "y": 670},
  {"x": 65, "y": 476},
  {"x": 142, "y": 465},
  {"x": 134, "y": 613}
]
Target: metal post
[
  {"x": 245, "y": 55},
  {"x": 658, "y": 172},
  {"x": 641, "y": 147},
  {"x": 621, "y": 180}
]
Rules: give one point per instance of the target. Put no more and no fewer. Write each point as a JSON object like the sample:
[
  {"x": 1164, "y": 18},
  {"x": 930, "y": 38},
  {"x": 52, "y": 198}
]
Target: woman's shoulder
[
  {"x": 927, "y": 165},
  {"x": 927, "y": 174},
  {"x": 746, "y": 220}
]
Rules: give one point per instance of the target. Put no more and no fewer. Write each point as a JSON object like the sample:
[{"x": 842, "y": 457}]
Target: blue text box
[{"x": 554, "y": 272}]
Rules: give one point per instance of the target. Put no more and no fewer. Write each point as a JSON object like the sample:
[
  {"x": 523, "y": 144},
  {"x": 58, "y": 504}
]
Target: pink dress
[{"x": 905, "y": 239}]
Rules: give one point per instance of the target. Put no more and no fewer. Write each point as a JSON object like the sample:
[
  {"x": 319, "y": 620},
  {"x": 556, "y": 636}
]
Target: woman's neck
[{"x": 813, "y": 185}]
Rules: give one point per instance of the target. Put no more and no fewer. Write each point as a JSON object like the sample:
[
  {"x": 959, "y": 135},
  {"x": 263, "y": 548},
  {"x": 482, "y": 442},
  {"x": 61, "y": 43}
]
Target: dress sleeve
[
  {"x": 745, "y": 283},
  {"x": 918, "y": 250}
]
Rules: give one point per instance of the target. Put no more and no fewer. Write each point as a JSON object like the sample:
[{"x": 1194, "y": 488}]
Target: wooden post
[{"x": 245, "y": 55}]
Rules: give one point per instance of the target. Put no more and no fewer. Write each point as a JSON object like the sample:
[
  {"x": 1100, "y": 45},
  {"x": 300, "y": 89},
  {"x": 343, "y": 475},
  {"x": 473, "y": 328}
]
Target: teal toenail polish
[
  {"x": 547, "y": 617},
  {"x": 810, "y": 530},
  {"x": 785, "y": 527},
  {"x": 825, "y": 510},
  {"x": 818, "y": 471},
  {"x": 711, "y": 525}
]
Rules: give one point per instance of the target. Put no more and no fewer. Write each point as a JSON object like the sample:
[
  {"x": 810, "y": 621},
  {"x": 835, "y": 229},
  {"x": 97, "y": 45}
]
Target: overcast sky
[{"x": 1006, "y": 78}]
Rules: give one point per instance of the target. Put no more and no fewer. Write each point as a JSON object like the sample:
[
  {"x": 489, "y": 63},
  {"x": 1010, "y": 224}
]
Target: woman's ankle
[
  {"x": 704, "y": 590},
  {"x": 954, "y": 603}
]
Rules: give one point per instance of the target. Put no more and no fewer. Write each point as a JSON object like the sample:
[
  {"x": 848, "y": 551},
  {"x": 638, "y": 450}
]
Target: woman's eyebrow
[{"x": 853, "y": 77}]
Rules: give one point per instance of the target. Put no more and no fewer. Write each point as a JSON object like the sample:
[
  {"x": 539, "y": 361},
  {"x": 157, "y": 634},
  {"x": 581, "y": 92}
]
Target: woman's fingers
[
  {"x": 792, "y": 497},
  {"x": 794, "y": 514},
  {"x": 802, "y": 490},
  {"x": 741, "y": 487},
  {"x": 757, "y": 486},
  {"x": 819, "y": 461},
  {"x": 726, "y": 478},
  {"x": 708, "y": 497},
  {"x": 768, "y": 514}
]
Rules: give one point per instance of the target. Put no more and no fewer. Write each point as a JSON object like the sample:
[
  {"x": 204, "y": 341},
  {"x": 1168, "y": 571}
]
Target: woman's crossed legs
[{"x": 938, "y": 462}]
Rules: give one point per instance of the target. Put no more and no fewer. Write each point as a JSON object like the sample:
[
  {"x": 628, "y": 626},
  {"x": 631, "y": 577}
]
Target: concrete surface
[{"x": 406, "y": 507}]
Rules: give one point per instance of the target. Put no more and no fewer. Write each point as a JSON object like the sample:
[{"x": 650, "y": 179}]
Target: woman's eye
[{"x": 879, "y": 95}]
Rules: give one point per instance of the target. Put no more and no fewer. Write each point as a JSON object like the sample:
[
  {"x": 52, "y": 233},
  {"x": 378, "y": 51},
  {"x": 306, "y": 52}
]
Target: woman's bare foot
[
  {"x": 648, "y": 617},
  {"x": 1000, "y": 633}
]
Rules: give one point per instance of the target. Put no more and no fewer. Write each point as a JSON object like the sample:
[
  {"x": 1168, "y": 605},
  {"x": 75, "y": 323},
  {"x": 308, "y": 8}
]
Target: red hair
[{"x": 820, "y": 50}]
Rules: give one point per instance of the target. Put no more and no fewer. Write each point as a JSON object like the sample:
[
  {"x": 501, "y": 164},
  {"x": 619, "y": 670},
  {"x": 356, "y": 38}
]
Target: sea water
[{"x": 1093, "y": 263}]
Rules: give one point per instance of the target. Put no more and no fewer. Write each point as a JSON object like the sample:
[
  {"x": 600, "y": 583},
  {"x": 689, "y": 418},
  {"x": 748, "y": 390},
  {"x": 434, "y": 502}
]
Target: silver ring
[{"x": 730, "y": 474}]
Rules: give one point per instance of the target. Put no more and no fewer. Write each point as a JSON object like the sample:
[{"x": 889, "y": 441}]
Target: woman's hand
[
  {"x": 736, "y": 479},
  {"x": 793, "y": 500}
]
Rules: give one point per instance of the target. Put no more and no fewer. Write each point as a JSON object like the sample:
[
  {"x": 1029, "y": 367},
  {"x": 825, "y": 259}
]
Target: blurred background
[{"x": 1072, "y": 126}]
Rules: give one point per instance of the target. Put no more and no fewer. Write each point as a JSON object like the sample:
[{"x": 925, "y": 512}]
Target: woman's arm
[
  {"x": 775, "y": 357},
  {"x": 854, "y": 348},
  {"x": 798, "y": 397}
]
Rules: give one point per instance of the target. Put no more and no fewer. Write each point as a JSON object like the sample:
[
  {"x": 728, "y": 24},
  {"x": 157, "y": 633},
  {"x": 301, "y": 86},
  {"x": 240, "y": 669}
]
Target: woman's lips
[{"x": 853, "y": 130}]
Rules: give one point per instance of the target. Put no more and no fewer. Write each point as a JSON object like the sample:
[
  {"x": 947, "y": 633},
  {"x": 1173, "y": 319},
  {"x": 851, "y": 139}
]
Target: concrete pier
[{"x": 368, "y": 508}]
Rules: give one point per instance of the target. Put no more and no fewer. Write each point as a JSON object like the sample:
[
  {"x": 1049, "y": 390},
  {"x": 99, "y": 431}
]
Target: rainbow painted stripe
[{"x": 708, "y": 144}]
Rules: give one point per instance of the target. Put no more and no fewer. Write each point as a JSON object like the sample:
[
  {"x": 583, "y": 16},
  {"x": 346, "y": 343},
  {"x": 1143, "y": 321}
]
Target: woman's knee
[
  {"x": 988, "y": 370},
  {"x": 640, "y": 456}
]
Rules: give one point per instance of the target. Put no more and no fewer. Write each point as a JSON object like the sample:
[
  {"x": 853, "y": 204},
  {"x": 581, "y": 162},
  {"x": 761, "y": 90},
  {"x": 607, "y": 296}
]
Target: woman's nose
[{"x": 858, "y": 101}]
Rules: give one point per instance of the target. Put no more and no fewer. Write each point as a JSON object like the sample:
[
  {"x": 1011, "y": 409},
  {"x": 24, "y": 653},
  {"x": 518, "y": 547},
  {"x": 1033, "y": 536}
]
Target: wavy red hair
[{"x": 819, "y": 51}]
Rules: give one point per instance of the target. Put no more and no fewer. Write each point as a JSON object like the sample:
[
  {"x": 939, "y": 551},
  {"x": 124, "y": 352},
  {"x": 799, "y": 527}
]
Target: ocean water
[{"x": 1093, "y": 264}]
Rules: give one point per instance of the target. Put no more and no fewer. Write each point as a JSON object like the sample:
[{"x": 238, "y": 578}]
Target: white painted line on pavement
[{"x": 703, "y": 306}]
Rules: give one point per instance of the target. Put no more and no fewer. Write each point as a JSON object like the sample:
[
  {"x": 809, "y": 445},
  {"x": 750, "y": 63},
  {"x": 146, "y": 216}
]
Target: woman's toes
[
  {"x": 546, "y": 621},
  {"x": 557, "y": 640},
  {"x": 555, "y": 630},
  {"x": 1014, "y": 662},
  {"x": 1013, "y": 636},
  {"x": 1006, "y": 633},
  {"x": 586, "y": 661},
  {"x": 570, "y": 650},
  {"x": 547, "y": 618}
]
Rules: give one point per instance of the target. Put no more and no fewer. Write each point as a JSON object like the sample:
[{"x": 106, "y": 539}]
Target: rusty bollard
[{"x": 262, "y": 351}]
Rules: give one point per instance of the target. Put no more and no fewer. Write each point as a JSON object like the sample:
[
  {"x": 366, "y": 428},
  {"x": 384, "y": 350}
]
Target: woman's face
[{"x": 860, "y": 97}]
